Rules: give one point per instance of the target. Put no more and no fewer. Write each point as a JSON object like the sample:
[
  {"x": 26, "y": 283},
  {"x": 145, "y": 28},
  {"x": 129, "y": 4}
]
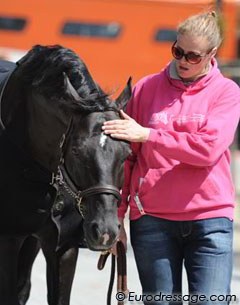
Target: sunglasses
[{"x": 191, "y": 57}]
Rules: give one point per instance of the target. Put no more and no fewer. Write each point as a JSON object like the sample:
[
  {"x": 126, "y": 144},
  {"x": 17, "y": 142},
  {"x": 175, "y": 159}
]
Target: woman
[{"x": 178, "y": 184}]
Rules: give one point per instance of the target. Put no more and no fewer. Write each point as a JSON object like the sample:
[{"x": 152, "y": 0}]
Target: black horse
[{"x": 56, "y": 168}]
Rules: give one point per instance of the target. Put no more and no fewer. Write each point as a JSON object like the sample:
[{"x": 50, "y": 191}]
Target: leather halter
[
  {"x": 62, "y": 179},
  {"x": 121, "y": 271}
]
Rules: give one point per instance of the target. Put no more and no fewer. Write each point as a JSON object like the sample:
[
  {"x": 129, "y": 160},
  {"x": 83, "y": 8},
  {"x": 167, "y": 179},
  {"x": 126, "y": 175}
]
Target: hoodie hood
[{"x": 196, "y": 85}]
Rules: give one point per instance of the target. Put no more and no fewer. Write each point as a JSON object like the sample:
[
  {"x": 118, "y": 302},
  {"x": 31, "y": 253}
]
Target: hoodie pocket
[{"x": 151, "y": 179}]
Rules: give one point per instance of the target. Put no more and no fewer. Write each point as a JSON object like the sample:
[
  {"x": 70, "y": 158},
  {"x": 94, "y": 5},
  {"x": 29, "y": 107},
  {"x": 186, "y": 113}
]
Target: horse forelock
[{"x": 43, "y": 69}]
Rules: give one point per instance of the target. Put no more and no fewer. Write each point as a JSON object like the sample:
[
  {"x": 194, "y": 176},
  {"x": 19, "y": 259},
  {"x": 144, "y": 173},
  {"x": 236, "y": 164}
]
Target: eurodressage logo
[{"x": 134, "y": 298}]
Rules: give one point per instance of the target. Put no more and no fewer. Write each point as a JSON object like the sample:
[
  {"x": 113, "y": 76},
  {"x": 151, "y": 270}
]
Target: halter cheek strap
[{"x": 63, "y": 180}]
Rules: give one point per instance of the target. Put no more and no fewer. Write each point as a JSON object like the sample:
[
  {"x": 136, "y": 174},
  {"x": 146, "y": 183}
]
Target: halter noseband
[{"x": 63, "y": 180}]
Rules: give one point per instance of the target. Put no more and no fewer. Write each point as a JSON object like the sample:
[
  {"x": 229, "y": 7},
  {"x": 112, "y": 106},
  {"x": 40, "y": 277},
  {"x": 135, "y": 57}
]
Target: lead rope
[{"x": 121, "y": 271}]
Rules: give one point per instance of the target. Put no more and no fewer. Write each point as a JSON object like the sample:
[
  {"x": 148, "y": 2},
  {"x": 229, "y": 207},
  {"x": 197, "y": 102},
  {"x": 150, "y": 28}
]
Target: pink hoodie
[{"x": 182, "y": 172}]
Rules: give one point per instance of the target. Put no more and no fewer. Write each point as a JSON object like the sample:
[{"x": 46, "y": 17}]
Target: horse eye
[{"x": 75, "y": 151}]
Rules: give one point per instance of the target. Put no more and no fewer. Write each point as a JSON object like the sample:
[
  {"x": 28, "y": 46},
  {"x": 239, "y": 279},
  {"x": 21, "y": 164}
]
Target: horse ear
[
  {"x": 69, "y": 89},
  {"x": 125, "y": 95}
]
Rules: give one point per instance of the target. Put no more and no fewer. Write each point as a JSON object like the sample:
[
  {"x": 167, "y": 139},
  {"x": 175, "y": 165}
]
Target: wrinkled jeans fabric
[{"x": 161, "y": 248}]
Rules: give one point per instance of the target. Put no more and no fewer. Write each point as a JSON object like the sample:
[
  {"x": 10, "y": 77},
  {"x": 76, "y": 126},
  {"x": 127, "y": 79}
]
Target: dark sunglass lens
[
  {"x": 177, "y": 53},
  {"x": 193, "y": 58}
]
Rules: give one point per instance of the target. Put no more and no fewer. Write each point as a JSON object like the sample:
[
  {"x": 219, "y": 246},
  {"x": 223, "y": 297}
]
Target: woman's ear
[{"x": 213, "y": 52}]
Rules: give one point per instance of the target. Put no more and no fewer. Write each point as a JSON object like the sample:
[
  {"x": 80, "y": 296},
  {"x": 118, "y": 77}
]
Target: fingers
[
  {"x": 124, "y": 115},
  {"x": 121, "y": 132},
  {"x": 125, "y": 120},
  {"x": 121, "y": 136},
  {"x": 115, "y": 128},
  {"x": 127, "y": 130},
  {"x": 113, "y": 250}
]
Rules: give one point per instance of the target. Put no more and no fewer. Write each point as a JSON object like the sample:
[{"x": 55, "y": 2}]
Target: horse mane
[{"x": 44, "y": 67}]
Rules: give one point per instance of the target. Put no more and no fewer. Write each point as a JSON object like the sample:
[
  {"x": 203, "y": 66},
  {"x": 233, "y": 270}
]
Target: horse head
[
  {"x": 55, "y": 115},
  {"x": 94, "y": 161}
]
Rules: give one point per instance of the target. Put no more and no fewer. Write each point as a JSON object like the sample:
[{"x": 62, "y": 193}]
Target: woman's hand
[
  {"x": 127, "y": 129},
  {"x": 122, "y": 237}
]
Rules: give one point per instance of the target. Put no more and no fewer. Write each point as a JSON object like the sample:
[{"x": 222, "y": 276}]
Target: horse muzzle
[{"x": 101, "y": 236}]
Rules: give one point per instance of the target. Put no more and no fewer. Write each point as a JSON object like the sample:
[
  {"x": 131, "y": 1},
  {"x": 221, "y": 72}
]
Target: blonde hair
[{"x": 208, "y": 24}]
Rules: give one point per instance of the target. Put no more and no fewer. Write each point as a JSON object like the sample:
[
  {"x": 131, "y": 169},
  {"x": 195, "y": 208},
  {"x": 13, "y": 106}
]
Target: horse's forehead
[
  {"x": 94, "y": 121},
  {"x": 89, "y": 131}
]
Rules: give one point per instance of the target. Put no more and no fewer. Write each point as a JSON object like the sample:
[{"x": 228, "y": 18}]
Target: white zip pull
[{"x": 139, "y": 205}]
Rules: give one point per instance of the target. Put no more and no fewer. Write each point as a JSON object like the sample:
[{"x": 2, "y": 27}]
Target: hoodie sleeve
[
  {"x": 204, "y": 147},
  {"x": 128, "y": 166},
  {"x": 129, "y": 163}
]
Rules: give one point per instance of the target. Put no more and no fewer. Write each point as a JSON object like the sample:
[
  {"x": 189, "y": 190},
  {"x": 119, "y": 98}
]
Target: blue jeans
[{"x": 162, "y": 246}]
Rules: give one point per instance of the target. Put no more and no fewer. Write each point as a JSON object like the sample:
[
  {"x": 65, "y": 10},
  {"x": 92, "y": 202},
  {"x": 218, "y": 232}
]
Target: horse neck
[
  {"x": 13, "y": 112},
  {"x": 45, "y": 132},
  {"x": 33, "y": 131}
]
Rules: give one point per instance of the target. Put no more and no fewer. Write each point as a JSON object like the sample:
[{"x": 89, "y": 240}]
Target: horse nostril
[
  {"x": 95, "y": 231},
  {"x": 101, "y": 235}
]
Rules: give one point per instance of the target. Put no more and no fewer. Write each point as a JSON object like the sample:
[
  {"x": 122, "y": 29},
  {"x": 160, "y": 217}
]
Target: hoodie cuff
[{"x": 153, "y": 135}]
